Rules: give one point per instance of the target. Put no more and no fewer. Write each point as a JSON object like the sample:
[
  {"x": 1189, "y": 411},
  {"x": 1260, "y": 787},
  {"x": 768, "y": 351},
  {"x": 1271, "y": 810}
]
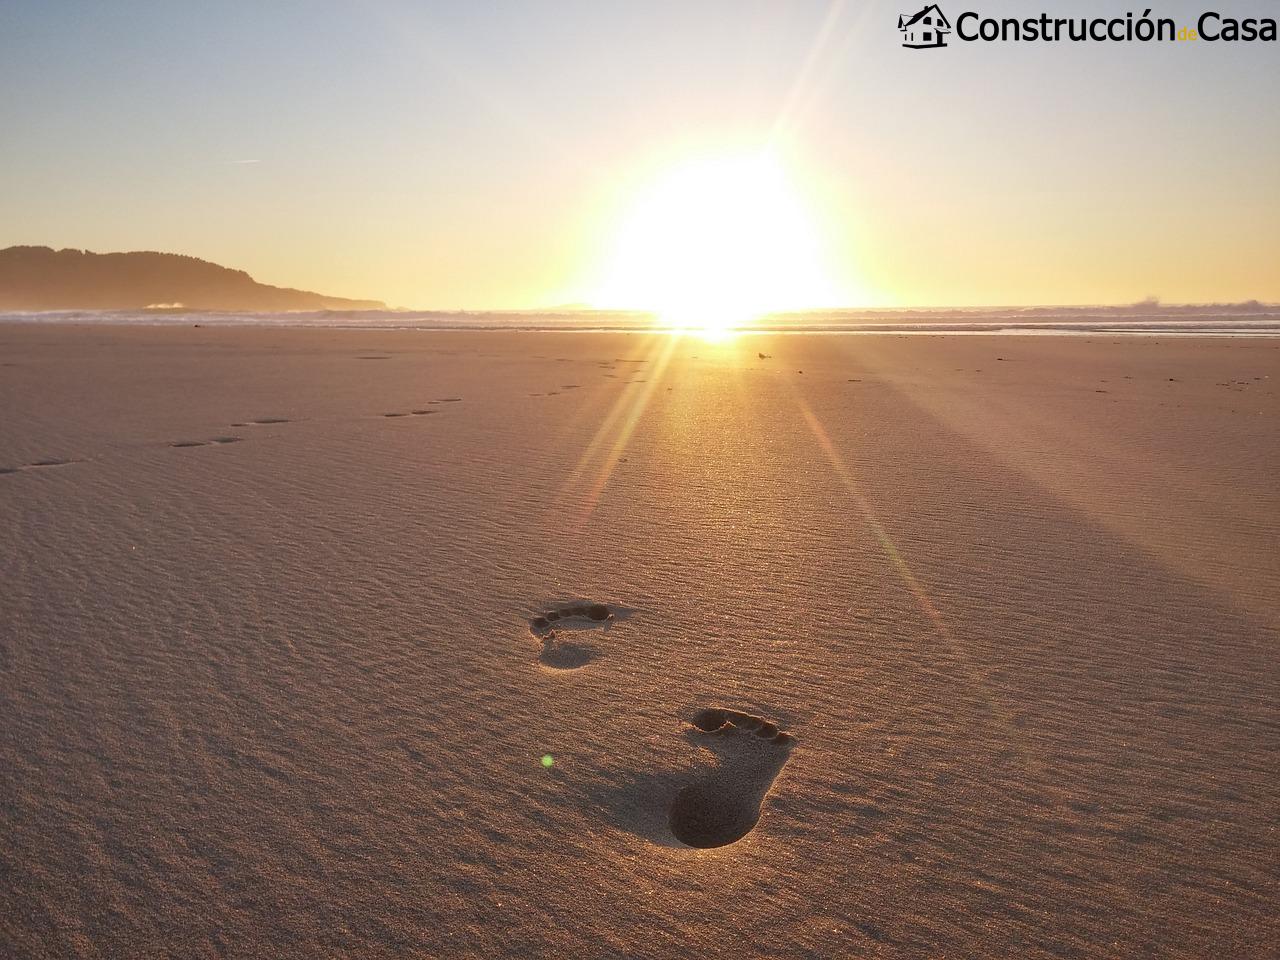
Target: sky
[{"x": 526, "y": 155}]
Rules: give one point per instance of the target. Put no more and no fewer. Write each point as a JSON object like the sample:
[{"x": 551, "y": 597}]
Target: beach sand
[{"x": 998, "y": 616}]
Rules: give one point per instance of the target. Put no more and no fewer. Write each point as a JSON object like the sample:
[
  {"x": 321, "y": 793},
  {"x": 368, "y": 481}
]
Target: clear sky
[{"x": 494, "y": 154}]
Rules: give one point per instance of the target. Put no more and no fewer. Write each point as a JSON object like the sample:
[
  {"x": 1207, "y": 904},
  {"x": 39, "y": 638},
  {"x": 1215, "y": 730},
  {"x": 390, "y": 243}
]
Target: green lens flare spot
[{"x": 548, "y": 760}]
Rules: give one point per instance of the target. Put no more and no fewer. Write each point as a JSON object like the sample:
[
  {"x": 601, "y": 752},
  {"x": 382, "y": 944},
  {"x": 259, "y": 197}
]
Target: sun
[{"x": 714, "y": 244}]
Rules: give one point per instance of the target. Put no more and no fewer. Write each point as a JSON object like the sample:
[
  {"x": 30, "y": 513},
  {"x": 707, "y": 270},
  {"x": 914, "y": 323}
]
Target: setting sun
[{"x": 715, "y": 243}]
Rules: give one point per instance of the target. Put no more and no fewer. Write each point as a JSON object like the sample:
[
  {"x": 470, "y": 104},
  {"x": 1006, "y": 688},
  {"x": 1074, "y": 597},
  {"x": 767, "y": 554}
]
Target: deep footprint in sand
[
  {"x": 559, "y": 652},
  {"x": 722, "y": 805}
]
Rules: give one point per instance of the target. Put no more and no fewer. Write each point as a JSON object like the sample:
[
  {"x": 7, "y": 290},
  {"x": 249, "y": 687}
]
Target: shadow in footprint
[
  {"x": 714, "y": 804},
  {"x": 560, "y": 654},
  {"x": 554, "y": 627}
]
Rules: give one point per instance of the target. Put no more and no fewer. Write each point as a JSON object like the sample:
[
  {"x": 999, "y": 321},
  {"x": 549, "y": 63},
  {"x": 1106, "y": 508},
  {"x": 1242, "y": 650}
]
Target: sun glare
[{"x": 715, "y": 244}]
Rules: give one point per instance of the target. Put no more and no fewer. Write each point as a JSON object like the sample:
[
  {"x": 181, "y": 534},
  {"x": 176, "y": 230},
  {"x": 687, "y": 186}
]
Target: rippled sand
[{"x": 959, "y": 646}]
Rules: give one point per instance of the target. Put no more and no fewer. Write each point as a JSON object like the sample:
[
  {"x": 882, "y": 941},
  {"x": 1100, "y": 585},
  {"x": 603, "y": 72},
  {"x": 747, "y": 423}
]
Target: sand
[{"x": 968, "y": 645}]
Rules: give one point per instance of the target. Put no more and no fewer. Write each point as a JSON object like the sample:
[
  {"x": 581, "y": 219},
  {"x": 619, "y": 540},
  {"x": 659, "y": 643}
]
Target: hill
[{"x": 40, "y": 278}]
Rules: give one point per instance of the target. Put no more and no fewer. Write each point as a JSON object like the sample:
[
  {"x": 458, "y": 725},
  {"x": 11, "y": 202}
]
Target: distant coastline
[{"x": 44, "y": 279}]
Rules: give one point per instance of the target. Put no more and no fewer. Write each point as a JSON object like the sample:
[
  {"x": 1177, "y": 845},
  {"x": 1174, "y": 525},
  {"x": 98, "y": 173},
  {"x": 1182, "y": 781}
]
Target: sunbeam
[{"x": 617, "y": 427}]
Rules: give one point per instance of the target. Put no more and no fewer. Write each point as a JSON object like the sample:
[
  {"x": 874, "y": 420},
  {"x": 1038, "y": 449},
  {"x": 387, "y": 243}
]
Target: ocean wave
[{"x": 1242, "y": 319}]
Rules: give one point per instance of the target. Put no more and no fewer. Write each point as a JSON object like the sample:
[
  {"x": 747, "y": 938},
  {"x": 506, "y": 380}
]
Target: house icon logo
[{"x": 928, "y": 28}]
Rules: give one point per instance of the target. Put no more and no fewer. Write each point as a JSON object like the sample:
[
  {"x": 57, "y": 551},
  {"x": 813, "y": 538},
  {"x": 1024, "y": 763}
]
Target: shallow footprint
[
  {"x": 570, "y": 615},
  {"x": 722, "y": 804},
  {"x": 205, "y": 443},
  {"x": 558, "y": 651}
]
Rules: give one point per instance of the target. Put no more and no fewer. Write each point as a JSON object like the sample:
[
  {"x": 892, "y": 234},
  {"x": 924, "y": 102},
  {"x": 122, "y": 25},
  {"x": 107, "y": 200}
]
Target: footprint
[
  {"x": 589, "y": 613},
  {"x": 559, "y": 651},
  {"x": 205, "y": 443},
  {"x": 722, "y": 804}
]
